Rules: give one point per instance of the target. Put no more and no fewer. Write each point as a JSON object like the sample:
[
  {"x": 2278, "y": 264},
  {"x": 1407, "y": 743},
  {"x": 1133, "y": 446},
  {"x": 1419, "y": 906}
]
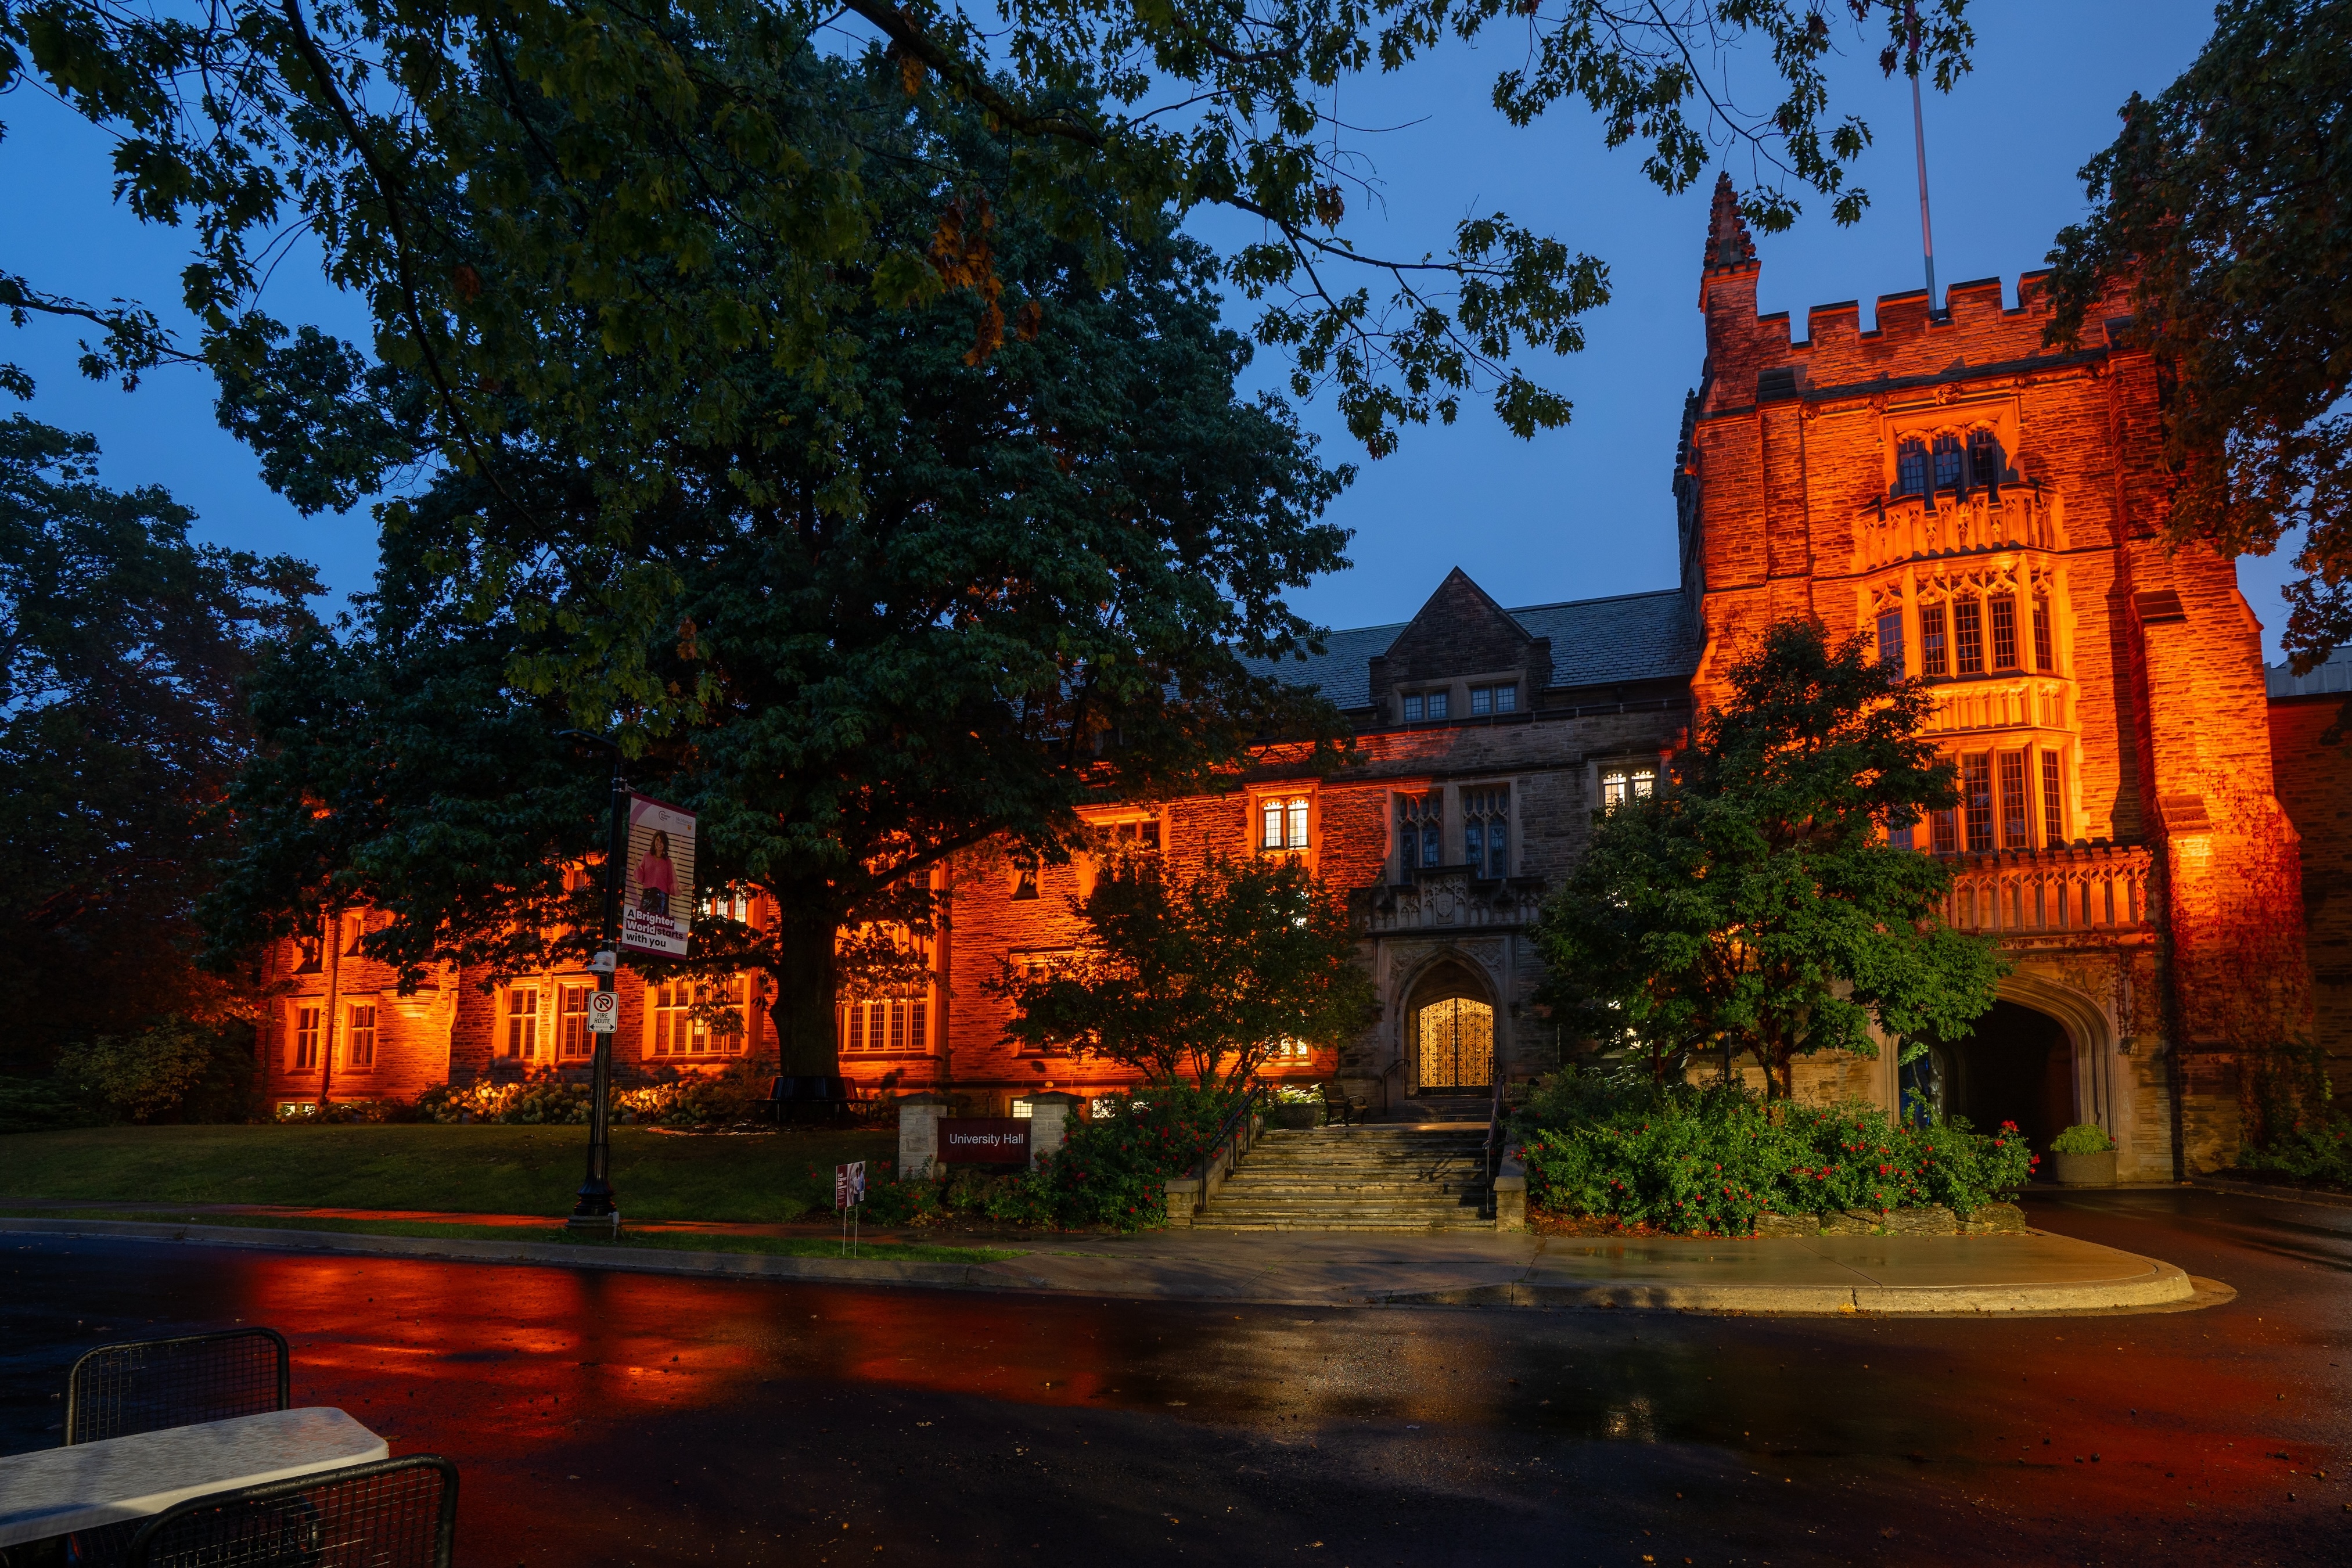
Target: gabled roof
[{"x": 1594, "y": 642}]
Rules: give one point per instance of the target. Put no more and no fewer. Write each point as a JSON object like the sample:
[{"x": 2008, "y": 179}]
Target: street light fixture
[{"x": 596, "y": 1204}]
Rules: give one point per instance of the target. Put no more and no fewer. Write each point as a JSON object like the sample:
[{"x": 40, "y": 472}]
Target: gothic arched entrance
[
  {"x": 1452, "y": 1028},
  {"x": 2017, "y": 1065}
]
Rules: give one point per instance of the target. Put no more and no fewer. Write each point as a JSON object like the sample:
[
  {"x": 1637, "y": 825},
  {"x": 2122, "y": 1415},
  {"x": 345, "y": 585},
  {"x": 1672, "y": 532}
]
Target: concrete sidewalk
[{"x": 2029, "y": 1272}]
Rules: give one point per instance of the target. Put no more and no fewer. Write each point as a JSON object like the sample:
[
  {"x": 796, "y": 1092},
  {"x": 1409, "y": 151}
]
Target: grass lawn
[
  {"x": 462, "y": 1170},
  {"x": 665, "y": 1240}
]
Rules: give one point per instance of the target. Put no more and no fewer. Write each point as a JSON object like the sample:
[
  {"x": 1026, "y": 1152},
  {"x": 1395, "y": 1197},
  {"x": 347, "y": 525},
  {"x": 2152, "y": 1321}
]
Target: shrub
[
  {"x": 1716, "y": 1159},
  {"x": 2083, "y": 1138},
  {"x": 41, "y": 1104},
  {"x": 699, "y": 1098},
  {"x": 2317, "y": 1152},
  {"x": 175, "y": 1069},
  {"x": 540, "y": 1102},
  {"x": 347, "y": 1110},
  {"x": 1110, "y": 1173}
]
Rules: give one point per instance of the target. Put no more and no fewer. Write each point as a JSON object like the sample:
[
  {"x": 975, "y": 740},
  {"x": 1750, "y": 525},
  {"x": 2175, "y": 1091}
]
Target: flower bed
[
  {"x": 1110, "y": 1173},
  {"x": 1717, "y": 1159}
]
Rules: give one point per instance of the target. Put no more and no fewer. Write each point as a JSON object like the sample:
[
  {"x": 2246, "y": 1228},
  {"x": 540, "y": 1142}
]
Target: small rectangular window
[
  {"x": 1295, "y": 823},
  {"x": 1976, "y": 799},
  {"x": 1932, "y": 660},
  {"x": 1890, "y": 639},
  {"x": 359, "y": 1042},
  {"x": 523, "y": 1024},
  {"x": 1947, "y": 461},
  {"x": 1507, "y": 699},
  {"x": 306, "y": 1039},
  {"x": 2041, "y": 657},
  {"x": 897, "y": 1025},
  {"x": 2016, "y": 827},
  {"x": 1482, "y": 701},
  {"x": 919, "y": 1024},
  {"x": 1270, "y": 816},
  {"x": 2054, "y": 812},
  {"x": 1437, "y": 704},
  {"x": 2004, "y": 633},
  {"x": 1899, "y": 838},
  {"x": 1968, "y": 635},
  {"x": 1412, "y": 708},
  {"x": 1944, "y": 831},
  {"x": 854, "y": 1027}
]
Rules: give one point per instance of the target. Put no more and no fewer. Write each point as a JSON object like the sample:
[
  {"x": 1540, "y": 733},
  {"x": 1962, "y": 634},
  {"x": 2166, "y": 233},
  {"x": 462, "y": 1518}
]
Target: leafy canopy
[
  {"x": 542, "y": 205},
  {"x": 1208, "y": 973},
  {"x": 1061, "y": 580},
  {"x": 1757, "y": 905},
  {"x": 2223, "y": 206},
  {"x": 121, "y": 645}
]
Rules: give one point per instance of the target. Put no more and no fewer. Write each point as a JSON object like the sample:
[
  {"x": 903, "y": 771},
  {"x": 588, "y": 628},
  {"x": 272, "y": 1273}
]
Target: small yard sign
[{"x": 849, "y": 1184}]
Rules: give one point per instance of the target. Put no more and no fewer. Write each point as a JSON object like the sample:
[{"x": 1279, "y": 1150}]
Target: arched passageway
[
  {"x": 2017, "y": 1065},
  {"x": 1452, "y": 1023}
]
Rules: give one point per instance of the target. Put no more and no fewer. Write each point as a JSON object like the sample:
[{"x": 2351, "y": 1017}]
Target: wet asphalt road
[{"x": 614, "y": 1419}]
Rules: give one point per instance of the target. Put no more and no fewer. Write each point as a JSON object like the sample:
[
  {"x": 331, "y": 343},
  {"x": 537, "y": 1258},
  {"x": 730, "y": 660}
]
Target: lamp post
[{"x": 596, "y": 1205}]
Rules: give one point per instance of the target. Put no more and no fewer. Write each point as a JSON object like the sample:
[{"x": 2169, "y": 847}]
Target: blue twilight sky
[{"x": 1572, "y": 514}]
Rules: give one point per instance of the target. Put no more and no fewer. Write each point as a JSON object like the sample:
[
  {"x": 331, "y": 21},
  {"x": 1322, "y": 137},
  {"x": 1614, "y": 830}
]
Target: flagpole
[{"x": 1919, "y": 141}]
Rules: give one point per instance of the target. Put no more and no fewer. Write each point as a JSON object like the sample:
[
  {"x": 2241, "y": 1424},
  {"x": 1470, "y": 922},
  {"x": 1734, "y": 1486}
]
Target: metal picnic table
[{"x": 53, "y": 1492}]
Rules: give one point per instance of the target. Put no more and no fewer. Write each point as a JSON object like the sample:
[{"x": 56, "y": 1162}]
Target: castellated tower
[{"x": 1989, "y": 510}]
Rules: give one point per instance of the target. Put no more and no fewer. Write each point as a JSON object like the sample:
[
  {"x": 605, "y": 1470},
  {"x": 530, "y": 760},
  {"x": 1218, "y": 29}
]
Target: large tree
[
  {"x": 122, "y": 642},
  {"x": 2225, "y": 209},
  {"x": 980, "y": 590},
  {"x": 1211, "y": 972},
  {"x": 1756, "y": 905}
]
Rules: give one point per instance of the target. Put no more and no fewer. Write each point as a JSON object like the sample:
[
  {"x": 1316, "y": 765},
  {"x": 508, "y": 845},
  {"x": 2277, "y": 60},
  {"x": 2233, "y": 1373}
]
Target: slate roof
[{"x": 1594, "y": 642}]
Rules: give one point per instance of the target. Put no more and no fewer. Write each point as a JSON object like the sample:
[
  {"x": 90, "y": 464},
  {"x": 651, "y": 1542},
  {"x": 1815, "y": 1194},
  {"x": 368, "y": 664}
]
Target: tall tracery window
[
  {"x": 1947, "y": 461},
  {"x": 2054, "y": 812},
  {"x": 1486, "y": 830},
  {"x": 1420, "y": 830},
  {"x": 1890, "y": 639},
  {"x": 2004, "y": 631},
  {"x": 1976, "y": 799},
  {"x": 1968, "y": 635},
  {"x": 1911, "y": 467},
  {"x": 2042, "y": 658},
  {"x": 1934, "y": 649},
  {"x": 1985, "y": 459},
  {"x": 2016, "y": 831}
]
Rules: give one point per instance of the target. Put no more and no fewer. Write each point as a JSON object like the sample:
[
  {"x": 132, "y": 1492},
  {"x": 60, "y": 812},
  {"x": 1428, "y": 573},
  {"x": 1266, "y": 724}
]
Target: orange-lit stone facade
[
  {"x": 1982, "y": 507},
  {"x": 1988, "y": 509}
]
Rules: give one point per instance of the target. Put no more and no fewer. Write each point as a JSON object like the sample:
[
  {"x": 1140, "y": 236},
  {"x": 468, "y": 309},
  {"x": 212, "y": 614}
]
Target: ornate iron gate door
[{"x": 1456, "y": 1045}]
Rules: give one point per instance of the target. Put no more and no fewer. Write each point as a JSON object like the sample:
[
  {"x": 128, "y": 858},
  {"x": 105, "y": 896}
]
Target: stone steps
[{"x": 1388, "y": 1176}]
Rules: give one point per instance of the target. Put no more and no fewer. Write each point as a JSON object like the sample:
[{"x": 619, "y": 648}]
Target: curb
[
  {"x": 2162, "y": 1288},
  {"x": 629, "y": 1260},
  {"x": 2283, "y": 1195}
]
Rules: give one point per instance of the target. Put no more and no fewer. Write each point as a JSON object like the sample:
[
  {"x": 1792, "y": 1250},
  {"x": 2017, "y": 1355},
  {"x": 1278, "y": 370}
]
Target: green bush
[
  {"x": 176, "y": 1069},
  {"x": 2319, "y": 1153},
  {"x": 1110, "y": 1173},
  {"x": 2083, "y": 1138},
  {"x": 41, "y": 1104},
  {"x": 1716, "y": 1159}
]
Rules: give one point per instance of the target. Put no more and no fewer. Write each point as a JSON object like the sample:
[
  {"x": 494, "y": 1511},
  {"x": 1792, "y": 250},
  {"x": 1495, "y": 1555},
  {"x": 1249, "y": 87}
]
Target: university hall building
[{"x": 2154, "y": 826}]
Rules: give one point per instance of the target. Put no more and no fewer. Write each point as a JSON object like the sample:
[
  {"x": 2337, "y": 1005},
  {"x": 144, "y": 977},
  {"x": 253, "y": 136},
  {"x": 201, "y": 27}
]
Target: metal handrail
[
  {"x": 1249, "y": 1098},
  {"x": 1493, "y": 1155}
]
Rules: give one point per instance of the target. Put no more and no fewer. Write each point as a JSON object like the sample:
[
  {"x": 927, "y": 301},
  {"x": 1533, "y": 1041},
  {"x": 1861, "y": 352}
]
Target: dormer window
[
  {"x": 1419, "y": 705},
  {"x": 1486, "y": 699}
]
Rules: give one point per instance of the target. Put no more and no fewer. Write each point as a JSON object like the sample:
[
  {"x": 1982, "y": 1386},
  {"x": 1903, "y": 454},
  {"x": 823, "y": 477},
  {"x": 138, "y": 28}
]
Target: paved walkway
[{"x": 2029, "y": 1272}]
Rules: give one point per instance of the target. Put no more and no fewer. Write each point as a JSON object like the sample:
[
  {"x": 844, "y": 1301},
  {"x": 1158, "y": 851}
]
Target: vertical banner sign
[{"x": 657, "y": 890}]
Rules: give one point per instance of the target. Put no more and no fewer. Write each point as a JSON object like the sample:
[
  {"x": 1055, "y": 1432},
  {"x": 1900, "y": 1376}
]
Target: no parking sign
[{"x": 603, "y": 1012}]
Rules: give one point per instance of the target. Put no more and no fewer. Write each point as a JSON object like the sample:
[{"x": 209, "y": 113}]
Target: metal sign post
[
  {"x": 597, "y": 1205},
  {"x": 848, "y": 1196}
]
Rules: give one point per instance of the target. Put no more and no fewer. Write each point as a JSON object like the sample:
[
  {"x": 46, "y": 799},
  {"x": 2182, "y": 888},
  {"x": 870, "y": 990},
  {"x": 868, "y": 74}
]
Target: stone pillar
[
  {"x": 918, "y": 1134},
  {"x": 1050, "y": 1115},
  {"x": 1511, "y": 1196}
]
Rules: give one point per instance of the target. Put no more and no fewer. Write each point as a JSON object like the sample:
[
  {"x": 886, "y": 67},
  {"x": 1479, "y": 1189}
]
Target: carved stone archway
[{"x": 1450, "y": 1032}]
